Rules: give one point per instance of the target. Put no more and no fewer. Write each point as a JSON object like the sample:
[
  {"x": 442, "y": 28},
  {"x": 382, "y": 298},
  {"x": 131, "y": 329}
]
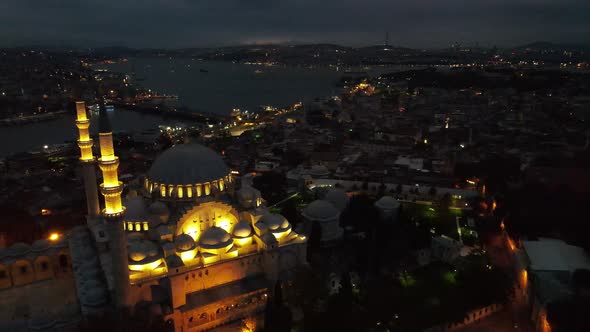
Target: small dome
[
  {"x": 247, "y": 193},
  {"x": 248, "y": 196},
  {"x": 158, "y": 208},
  {"x": 387, "y": 202},
  {"x": 320, "y": 210},
  {"x": 319, "y": 170},
  {"x": 337, "y": 197},
  {"x": 40, "y": 245},
  {"x": 275, "y": 221},
  {"x": 215, "y": 238},
  {"x": 242, "y": 229},
  {"x": 184, "y": 242},
  {"x": 19, "y": 248},
  {"x": 187, "y": 164},
  {"x": 135, "y": 209},
  {"x": 140, "y": 250}
]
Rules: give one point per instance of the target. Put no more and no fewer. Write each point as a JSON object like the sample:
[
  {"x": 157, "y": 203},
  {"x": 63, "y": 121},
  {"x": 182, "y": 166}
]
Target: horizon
[
  {"x": 298, "y": 43},
  {"x": 191, "y": 24}
]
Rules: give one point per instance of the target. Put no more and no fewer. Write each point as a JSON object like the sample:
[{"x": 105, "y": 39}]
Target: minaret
[
  {"x": 113, "y": 212},
  {"x": 87, "y": 160}
]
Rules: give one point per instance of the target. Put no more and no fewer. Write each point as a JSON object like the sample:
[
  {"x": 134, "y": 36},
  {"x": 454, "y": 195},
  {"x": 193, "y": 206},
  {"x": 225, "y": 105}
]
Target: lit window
[
  {"x": 162, "y": 190},
  {"x": 138, "y": 227},
  {"x": 207, "y": 188},
  {"x": 189, "y": 191},
  {"x": 179, "y": 191},
  {"x": 221, "y": 185},
  {"x": 145, "y": 226},
  {"x": 199, "y": 193}
]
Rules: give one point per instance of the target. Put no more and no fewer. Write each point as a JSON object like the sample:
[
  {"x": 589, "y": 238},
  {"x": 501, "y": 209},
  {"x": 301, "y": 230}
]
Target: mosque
[{"x": 188, "y": 245}]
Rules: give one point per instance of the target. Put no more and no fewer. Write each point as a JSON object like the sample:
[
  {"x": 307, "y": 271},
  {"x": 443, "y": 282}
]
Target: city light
[{"x": 54, "y": 236}]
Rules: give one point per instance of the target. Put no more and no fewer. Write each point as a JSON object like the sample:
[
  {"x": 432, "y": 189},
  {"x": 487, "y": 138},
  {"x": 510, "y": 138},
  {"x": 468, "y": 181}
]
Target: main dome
[{"x": 187, "y": 164}]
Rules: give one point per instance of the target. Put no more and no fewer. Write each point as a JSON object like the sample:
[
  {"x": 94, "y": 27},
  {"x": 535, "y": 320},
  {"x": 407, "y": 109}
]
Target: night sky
[{"x": 188, "y": 23}]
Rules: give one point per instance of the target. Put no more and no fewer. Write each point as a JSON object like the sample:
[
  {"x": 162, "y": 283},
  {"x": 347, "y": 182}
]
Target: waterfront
[
  {"x": 223, "y": 87},
  {"x": 33, "y": 136},
  {"x": 218, "y": 87}
]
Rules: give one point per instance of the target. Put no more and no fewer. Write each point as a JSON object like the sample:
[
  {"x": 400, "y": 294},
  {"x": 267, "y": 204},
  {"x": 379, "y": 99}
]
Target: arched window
[
  {"x": 138, "y": 227},
  {"x": 163, "y": 190},
  {"x": 145, "y": 226},
  {"x": 199, "y": 190},
  {"x": 63, "y": 262},
  {"x": 189, "y": 191}
]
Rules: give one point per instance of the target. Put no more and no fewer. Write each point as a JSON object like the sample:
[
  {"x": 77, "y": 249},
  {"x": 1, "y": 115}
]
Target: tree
[
  {"x": 381, "y": 189},
  {"x": 399, "y": 189},
  {"x": 432, "y": 191},
  {"x": 365, "y": 186},
  {"x": 271, "y": 185}
]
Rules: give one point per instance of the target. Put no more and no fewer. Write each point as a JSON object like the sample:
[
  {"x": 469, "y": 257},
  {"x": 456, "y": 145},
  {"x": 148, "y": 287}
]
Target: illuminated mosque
[{"x": 188, "y": 246}]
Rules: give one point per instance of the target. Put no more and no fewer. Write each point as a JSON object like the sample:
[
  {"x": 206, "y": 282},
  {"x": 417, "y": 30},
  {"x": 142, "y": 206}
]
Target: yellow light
[
  {"x": 146, "y": 267},
  {"x": 511, "y": 244},
  {"x": 188, "y": 255},
  {"x": 54, "y": 236},
  {"x": 224, "y": 223}
]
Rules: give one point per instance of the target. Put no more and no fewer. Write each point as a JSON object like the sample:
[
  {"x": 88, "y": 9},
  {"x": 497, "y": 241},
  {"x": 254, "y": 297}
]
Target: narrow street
[{"x": 515, "y": 315}]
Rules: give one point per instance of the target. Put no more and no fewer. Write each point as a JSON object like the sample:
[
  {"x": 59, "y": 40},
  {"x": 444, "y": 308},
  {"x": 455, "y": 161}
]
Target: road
[{"x": 514, "y": 317}]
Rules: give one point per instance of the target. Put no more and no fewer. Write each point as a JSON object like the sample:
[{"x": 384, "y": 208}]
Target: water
[
  {"x": 33, "y": 136},
  {"x": 225, "y": 86}
]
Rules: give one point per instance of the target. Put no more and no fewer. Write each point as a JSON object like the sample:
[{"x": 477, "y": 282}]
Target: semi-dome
[
  {"x": 387, "y": 202},
  {"x": 320, "y": 210},
  {"x": 184, "y": 242},
  {"x": 242, "y": 229},
  {"x": 337, "y": 197},
  {"x": 187, "y": 164},
  {"x": 214, "y": 238}
]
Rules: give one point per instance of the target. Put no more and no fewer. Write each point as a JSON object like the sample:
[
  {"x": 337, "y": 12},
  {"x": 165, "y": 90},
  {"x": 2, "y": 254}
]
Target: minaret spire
[
  {"x": 111, "y": 188},
  {"x": 87, "y": 159},
  {"x": 114, "y": 211}
]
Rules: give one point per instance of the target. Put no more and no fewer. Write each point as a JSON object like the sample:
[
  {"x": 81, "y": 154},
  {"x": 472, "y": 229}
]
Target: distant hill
[{"x": 544, "y": 45}]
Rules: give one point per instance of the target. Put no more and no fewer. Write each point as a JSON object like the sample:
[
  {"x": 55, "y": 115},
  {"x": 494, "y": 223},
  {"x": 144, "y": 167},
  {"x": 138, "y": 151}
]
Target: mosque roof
[
  {"x": 214, "y": 238},
  {"x": 337, "y": 197},
  {"x": 242, "y": 229},
  {"x": 387, "y": 202},
  {"x": 135, "y": 209},
  {"x": 184, "y": 242},
  {"x": 320, "y": 210},
  {"x": 187, "y": 164}
]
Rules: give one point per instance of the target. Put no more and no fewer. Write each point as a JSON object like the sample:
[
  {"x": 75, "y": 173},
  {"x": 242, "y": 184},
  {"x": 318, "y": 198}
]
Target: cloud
[{"x": 175, "y": 23}]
